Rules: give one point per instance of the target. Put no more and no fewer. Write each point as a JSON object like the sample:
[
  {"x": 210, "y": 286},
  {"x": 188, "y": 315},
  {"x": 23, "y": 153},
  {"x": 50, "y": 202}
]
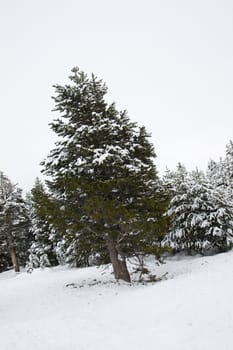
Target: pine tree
[
  {"x": 109, "y": 202},
  {"x": 14, "y": 225},
  {"x": 220, "y": 172},
  {"x": 42, "y": 251},
  {"x": 201, "y": 215}
]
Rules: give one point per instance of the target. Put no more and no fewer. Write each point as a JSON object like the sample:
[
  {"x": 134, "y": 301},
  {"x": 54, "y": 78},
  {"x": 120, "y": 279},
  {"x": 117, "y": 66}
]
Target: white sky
[{"x": 168, "y": 62}]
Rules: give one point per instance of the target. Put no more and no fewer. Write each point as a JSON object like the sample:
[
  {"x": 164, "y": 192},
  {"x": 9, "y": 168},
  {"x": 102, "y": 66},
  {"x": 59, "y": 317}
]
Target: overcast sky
[{"x": 168, "y": 62}]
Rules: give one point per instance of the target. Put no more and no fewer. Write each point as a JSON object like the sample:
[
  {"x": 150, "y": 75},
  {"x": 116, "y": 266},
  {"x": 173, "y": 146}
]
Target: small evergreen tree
[
  {"x": 14, "y": 225},
  {"x": 220, "y": 173},
  {"x": 42, "y": 251},
  {"x": 102, "y": 178},
  {"x": 201, "y": 215}
]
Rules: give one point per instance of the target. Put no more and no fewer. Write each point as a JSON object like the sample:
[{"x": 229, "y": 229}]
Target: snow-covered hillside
[{"x": 85, "y": 309}]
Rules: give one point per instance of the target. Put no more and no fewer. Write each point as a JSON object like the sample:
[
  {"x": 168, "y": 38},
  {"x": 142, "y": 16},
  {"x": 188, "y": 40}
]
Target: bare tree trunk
[
  {"x": 12, "y": 253},
  {"x": 118, "y": 262}
]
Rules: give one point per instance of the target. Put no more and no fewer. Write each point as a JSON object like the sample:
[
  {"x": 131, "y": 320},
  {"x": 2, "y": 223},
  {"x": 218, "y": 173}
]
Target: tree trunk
[
  {"x": 118, "y": 262},
  {"x": 12, "y": 253}
]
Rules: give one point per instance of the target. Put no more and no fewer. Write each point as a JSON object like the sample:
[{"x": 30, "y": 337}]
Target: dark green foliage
[
  {"x": 5, "y": 261},
  {"x": 42, "y": 250},
  {"x": 103, "y": 184},
  {"x": 14, "y": 225}
]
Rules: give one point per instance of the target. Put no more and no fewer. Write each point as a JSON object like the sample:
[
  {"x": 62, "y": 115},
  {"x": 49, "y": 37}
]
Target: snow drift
[{"x": 85, "y": 309}]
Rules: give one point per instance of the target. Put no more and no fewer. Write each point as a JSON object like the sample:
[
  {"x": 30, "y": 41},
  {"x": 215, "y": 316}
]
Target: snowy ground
[{"x": 69, "y": 309}]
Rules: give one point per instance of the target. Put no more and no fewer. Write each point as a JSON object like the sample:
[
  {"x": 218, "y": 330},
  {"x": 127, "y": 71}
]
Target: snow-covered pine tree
[
  {"x": 14, "y": 224},
  {"x": 175, "y": 180},
  {"x": 220, "y": 173},
  {"x": 201, "y": 216},
  {"x": 177, "y": 183},
  {"x": 42, "y": 252},
  {"x": 102, "y": 176},
  {"x": 228, "y": 163}
]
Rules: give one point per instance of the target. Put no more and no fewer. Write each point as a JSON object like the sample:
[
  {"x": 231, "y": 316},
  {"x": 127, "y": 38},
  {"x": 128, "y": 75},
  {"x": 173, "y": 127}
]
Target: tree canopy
[{"x": 108, "y": 200}]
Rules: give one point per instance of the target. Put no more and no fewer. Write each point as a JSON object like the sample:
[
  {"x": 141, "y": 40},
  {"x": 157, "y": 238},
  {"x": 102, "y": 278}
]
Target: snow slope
[{"x": 84, "y": 309}]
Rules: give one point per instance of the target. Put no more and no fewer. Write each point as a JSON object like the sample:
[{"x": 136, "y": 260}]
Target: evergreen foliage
[
  {"x": 108, "y": 202},
  {"x": 43, "y": 248},
  {"x": 202, "y": 220},
  {"x": 14, "y": 226}
]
